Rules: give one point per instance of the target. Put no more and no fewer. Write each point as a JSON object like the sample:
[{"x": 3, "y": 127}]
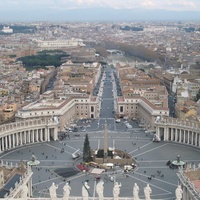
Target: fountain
[
  {"x": 33, "y": 161},
  {"x": 178, "y": 162}
]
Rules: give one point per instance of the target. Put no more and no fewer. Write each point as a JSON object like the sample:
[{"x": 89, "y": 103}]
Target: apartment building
[
  {"x": 143, "y": 98},
  {"x": 66, "y": 110},
  {"x": 77, "y": 78},
  {"x": 59, "y": 44}
]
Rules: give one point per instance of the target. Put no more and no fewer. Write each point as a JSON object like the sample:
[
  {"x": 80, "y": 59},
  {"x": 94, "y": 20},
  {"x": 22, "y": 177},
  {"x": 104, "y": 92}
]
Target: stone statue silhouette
[
  {"x": 85, "y": 193},
  {"x": 136, "y": 192},
  {"x": 179, "y": 193},
  {"x": 99, "y": 189},
  {"x": 52, "y": 191},
  {"x": 24, "y": 192},
  {"x": 66, "y": 191},
  {"x": 33, "y": 158},
  {"x": 147, "y": 192},
  {"x": 116, "y": 190}
]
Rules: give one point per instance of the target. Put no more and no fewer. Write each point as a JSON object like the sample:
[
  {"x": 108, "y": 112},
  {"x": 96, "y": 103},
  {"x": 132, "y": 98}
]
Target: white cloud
[{"x": 117, "y": 4}]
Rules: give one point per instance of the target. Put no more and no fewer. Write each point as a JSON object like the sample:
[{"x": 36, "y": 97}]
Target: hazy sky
[{"x": 99, "y": 9}]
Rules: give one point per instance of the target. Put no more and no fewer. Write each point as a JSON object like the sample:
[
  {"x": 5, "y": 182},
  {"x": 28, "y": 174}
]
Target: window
[
  {"x": 92, "y": 108},
  {"x": 121, "y": 109}
]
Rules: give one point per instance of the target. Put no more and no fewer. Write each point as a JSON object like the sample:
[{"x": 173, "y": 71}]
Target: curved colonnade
[
  {"x": 26, "y": 132},
  {"x": 176, "y": 130}
]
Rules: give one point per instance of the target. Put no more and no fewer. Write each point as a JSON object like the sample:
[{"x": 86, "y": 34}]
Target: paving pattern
[{"x": 151, "y": 159}]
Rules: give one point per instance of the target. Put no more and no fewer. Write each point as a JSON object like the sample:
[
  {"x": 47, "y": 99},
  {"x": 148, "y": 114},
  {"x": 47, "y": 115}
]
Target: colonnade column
[
  {"x": 48, "y": 134},
  {"x": 41, "y": 135},
  {"x": 188, "y": 142},
  {"x": 184, "y": 136},
  {"x": 46, "y": 131},
  {"x": 157, "y": 132},
  {"x": 20, "y": 134},
  {"x": 36, "y": 135},
  {"x": 172, "y": 132},
  {"x": 196, "y": 138},
  {"x": 166, "y": 133},
  {"x": 17, "y": 138},
  {"x": 180, "y": 135},
  {"x": 32, "y": 136},
  {"x": 9, "y": 142},
  {"x": 2, "y": 143},
  {"x": 176, "y": 135},
  {"x": 13, "y": 140},
  {"x": 55, "y": 133},
  {"x": 25, "y": 137},
  {"x": 6, "y": 142},
  {"x": 29, "y": 136},
  {"x": 192, "y": 138}
]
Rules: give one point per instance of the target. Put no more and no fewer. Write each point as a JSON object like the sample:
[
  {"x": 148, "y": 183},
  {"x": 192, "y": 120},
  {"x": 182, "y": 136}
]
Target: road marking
[
  {"x": 104, "y": 99},
  {"x": 95, "y": 183},
  {"x": 151, "y": 150},
  {"x": 153, "y": 161},
  {"x": 46, "y": 181},
  {"x": 65, "y": 144},
  {"x": 59, "y": 148},
  {"x": 19, "y": 148},
  {"x": 167, "y": 192},
  {"x": 141, "y": 147},
  {"x": 157, "y": 179},
  {"x": 153, "y": 167}
]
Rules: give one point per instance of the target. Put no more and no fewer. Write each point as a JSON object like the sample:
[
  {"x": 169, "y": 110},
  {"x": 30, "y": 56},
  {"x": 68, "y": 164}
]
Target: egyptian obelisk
[{"x": 105, "y": 141}]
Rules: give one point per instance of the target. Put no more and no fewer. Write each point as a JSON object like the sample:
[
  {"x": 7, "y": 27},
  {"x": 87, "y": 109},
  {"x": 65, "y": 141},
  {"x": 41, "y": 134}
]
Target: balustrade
[
  {"x": 30, "y": 131},
  {"x": 177, "y": 130}
]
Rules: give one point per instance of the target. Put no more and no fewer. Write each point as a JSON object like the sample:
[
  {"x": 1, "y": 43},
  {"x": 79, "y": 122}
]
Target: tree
[{"x": 86, "y": 150}]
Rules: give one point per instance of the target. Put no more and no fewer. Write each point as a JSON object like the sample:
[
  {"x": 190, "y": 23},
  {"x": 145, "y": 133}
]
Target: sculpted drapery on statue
[
  {"x": 66, "y": 191},
  {"x": 116, "y": 191},
  {"x": 52, "y": 191},
  {"x": 24, "y": 192},
  {"x": 85, "y": 193},
  {"x": 136, "y": 192},
  {"x": 99, "y": 189},
  {"x": 179, "y": 193},
  {"x": 147, "y": 192}
]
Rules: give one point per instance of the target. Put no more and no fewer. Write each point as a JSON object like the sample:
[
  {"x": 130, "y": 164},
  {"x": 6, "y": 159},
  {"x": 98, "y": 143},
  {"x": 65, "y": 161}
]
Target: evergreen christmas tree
[{"x": 86, "y": 150}]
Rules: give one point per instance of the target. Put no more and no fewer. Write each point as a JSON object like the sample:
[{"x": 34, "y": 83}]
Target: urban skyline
[{"x": 92, "y": 10}]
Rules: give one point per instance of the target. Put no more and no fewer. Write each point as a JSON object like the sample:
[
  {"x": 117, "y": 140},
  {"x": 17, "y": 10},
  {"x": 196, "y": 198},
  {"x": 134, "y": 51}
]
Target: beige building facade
[{"x": 65, "y": 110}]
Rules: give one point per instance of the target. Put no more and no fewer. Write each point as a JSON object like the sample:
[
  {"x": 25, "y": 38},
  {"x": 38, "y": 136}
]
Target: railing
[
  {"x": 75, "y": 198},
  {"x": 26, "y": 124},
  {"x": 178, "y": 122},
  {"x": 190, "y": 186}
]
